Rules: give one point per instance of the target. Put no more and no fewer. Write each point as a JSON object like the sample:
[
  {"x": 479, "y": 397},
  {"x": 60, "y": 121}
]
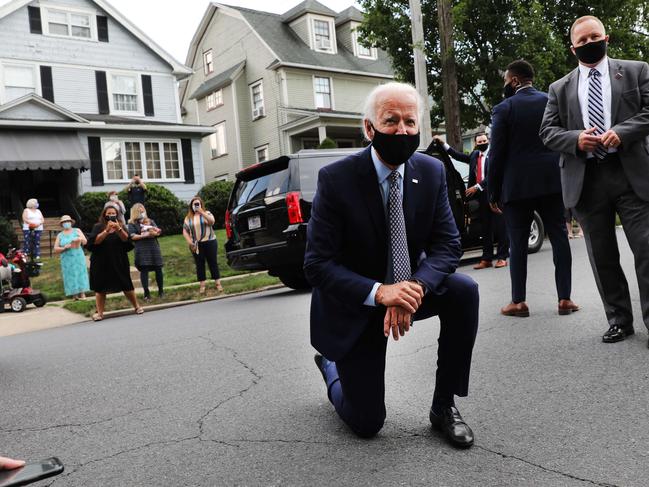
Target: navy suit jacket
[
  {"x": 472, "y": 161},
  {"x": 520, "y": 166},
  {"x": 347, "y": 243}
]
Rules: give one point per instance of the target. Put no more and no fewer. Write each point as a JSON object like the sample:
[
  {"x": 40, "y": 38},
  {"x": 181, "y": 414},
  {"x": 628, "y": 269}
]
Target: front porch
[{"x": 309, "y": 128}]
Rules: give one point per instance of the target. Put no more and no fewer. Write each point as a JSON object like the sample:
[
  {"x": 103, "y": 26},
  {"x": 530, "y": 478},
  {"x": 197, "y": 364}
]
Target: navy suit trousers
[
  {"x": 518, "y": 218},
  {"x": 359, "y": 395}
]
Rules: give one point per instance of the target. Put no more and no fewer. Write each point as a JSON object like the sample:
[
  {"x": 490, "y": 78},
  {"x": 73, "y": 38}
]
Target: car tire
[
  {"x": 18, "y": 304},
  {"x": 295, "y": 281},
  {"x": 537, "y": 233}
]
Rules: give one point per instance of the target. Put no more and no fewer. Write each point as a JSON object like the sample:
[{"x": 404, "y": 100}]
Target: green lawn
[{"x": 178, "y": 266}]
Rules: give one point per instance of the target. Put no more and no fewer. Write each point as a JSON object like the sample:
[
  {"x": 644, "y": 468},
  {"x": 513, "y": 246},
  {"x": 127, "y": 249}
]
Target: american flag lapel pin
[
  {"x": 416, "y": 181},
  {"x": 618, "y": 75}
]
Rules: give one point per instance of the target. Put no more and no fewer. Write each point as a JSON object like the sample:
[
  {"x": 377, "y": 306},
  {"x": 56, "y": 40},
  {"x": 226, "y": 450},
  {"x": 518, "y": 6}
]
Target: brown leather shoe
[
  {"x": 500, "y": 263},
  {"x": 483, "y": 264},
  {"x": 566, "y": 307},
  {"x": 516, "y": 309}
]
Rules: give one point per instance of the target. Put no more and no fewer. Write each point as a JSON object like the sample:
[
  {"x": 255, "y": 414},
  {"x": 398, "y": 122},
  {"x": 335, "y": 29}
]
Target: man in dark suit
[
  {"x": 524, "y": 176},
  {"x": 491, "y": 223},
  {"x": 382, "y": 249},
  {"x": 598, "y": 119}
]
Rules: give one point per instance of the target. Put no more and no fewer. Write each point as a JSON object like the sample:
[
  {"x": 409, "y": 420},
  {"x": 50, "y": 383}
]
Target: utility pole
[
  {"x": 449, "y": 75},
  {"x": 421, "y": 78}
]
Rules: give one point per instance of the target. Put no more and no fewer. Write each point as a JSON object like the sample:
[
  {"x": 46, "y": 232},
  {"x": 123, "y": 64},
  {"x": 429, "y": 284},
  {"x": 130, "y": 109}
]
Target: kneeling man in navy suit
[{"x": 382, "y": 250}]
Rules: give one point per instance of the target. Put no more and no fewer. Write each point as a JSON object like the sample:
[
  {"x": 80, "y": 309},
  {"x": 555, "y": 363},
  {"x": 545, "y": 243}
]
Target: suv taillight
[
  {"x": 228, "y": 224},
  {"x": 293, "y": 206}
]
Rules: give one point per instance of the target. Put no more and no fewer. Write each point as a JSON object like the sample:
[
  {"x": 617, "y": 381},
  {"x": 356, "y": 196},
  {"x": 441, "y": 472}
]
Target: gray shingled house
[{"x": 274, "y": 84}]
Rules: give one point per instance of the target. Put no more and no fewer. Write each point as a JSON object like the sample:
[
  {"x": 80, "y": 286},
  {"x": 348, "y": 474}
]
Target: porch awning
[{"x": 22, "y": 150}]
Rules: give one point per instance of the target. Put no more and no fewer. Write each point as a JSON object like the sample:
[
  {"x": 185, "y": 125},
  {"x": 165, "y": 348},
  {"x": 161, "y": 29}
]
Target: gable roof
[
  {"x": 307, "y": 7},
  {"x": 179, "y": 70},
  {"x": 219, "y": 81},
  {"x": 46, "y": 105},
  {"x": 348, "y": 15},
  {"x": 290, "y": 50}
]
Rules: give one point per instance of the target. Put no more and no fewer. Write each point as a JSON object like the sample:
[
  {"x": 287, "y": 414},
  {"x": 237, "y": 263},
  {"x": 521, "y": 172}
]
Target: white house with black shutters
[{"x": 87, "y": 100}]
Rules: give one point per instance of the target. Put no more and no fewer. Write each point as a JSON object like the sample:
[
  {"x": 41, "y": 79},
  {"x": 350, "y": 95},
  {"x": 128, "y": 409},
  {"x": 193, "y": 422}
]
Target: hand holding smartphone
[{"x": 31, "y": 472}]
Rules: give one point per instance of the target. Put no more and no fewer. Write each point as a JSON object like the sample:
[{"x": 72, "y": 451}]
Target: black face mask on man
[
  {"x": 592, "y": 52},
  {"x": 395, "y": 149},
  {"x": 509, "y": 90}
]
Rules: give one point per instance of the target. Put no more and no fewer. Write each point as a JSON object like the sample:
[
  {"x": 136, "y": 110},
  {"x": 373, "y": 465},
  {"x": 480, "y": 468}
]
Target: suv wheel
[
  {"x": 537, "y": 232},
  {"x": 294, "y": 280}
]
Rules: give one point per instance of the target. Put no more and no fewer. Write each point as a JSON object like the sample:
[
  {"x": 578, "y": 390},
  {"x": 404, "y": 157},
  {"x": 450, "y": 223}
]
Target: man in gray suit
[{"x": 597, "y": 117}]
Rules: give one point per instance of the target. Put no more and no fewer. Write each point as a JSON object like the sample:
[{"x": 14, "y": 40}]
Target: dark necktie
[
  {"x": 398, "y": 241},
  {"x": 596, "y": 109}
]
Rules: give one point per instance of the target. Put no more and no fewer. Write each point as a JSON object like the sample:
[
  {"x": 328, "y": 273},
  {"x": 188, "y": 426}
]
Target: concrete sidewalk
[{"x": 34, "y": 319}]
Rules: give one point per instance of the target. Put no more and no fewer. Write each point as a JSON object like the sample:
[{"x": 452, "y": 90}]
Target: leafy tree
[
  {"x": 489, "y": 34},
  {"x": 216, "y": 195}
]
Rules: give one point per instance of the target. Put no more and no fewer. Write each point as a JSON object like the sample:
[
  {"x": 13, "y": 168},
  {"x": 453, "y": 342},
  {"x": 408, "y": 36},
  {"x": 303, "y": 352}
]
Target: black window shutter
[
  {"x": 102, "y": 28},
  {"x": 102, "y": 92},
  {"x": 35, "y": 26},
  {"x": 188, "y": 162},
  {"x": 147, "y": 91},
  {"x": 96, "y": 166},
  {"x": 47, "y": 87}
]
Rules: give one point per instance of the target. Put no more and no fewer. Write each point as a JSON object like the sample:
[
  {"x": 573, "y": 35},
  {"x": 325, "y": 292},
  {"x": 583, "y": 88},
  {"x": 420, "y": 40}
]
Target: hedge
[
  {"x": 216, "y": 195},
  {"x": 7, "y": 235},
  {"x": 161, "y": 204}
]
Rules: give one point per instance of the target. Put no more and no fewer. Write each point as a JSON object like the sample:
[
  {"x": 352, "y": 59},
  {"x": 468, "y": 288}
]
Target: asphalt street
[{"x": 226, "y": 393}]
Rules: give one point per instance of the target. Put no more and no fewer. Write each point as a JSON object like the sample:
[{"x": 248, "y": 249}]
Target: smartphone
[{"x": 31, "y": 472}]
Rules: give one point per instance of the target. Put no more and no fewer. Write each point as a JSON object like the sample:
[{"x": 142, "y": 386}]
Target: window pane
[
  {"x": 133, "y": 159},
  {"x": 57, "y": 16},
  {"x": 81, "y": 32},
  {"x": 321, "y": 29},
  {"x": 172, "y": 168},
  {"x": 80, "y": 20},
  {"x": 19, "y": 76},
  {"x": 113, "y": 157},
  {"x": 217, "y": 141},
  {"x": 218, "y": 97},
  {"x": 322, "y": 93},
  {"x": 58, "y": 29},
  {"x": 153, "y": 167},
  {"x": 257, "y": 99},
  {"x": 124, "y": 84},
  {"x": 125, "y": 103}
]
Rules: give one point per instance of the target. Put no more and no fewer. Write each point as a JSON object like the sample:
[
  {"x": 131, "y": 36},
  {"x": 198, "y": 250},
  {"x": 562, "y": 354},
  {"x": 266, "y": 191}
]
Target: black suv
[{"x": 270, "y": 206}]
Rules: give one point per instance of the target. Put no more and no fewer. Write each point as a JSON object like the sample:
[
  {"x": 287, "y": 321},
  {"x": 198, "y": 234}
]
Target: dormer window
[
  {"x": 208, "y": 62},
  {"x": 359, "y": 49},
  {"x": 64, "y": 22},
  {"x": 323, "y": 34}
]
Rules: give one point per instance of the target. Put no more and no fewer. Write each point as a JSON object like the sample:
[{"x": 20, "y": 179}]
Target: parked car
[{"x": 270, "y": 206}]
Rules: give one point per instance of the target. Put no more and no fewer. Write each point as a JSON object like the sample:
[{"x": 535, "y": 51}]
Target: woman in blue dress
[{"x": 73, "y": 261}]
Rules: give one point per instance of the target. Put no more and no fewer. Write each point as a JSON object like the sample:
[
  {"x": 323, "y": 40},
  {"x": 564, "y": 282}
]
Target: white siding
[
  {"x": 75, "y": 89},
  {"x": 164, "y": 98}
]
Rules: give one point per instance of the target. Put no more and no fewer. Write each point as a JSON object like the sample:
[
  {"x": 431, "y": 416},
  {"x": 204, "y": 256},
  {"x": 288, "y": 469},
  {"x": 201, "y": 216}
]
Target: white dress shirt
[{"x": 582, "y": 93}]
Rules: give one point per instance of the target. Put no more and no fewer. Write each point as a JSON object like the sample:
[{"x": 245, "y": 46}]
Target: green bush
[
  {"x": 162, "y": 206},
  {"x": 216, "y": 195},
  {"x": 89, "y": 206},
  {"x": 328, "y": 143},
  {"x": 7, "y": 235}
]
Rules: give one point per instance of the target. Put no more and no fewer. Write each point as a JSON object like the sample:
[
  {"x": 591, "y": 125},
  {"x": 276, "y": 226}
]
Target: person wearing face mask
[
  {"x": 144, "y": 234},
  {"x": 113, "y": 199},
  {"x": 523, "y": 178},
  {"x": 69, "y": 244},
  {"x": 109, "y": 245},
  {"x": 491, "y": 223},
  {"x": 382, "y": 251},
  {"x": 598, "y": 119},
  {"x": 198, "y": 230}
]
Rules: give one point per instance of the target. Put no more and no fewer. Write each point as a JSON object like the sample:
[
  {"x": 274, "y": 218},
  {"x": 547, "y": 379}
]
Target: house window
[
  {"x": 19, "y": 80},
  {"x": 153, "y": 160},
  {"x": 257, "y": 97},
  {"x": 322, "y": 93},
  {"x": 215, "y": 100},
  {"x": 322, "y": 32},
  {"x": 218, "y": 147},
  {"x": 70, "y": 23},
  {"x": 208, "y": 62},
  {"x": 262, "y": 153},
  {"x": 125, "y": 93}
]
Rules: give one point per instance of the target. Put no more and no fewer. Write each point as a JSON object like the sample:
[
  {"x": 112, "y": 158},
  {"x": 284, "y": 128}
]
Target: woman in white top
[{"x": 32, "y": 228}]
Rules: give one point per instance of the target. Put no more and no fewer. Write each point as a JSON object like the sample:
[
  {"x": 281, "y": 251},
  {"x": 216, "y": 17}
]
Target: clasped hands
[
  {"x": 588, "y": 142},
  {"x": 402, "y": 301}
]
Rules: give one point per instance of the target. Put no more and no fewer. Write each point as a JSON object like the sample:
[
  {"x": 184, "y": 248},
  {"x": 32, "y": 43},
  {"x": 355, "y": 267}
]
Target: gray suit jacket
[{"x": 562, "y": 123}]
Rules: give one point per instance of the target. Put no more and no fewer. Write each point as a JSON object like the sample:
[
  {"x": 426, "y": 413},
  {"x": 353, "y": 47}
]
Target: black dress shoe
[
  {"x": 450, "y": 422},
  {"x": 617, "y": 333}
]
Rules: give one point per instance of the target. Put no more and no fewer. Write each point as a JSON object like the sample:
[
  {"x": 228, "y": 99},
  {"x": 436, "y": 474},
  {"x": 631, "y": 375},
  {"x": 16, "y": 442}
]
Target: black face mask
[
  {"x": 592, "y": 52},
  {"x": 395, "y": 149},
  {"x": 509, "y": 90},
  {"x": 482, "y": 147}
]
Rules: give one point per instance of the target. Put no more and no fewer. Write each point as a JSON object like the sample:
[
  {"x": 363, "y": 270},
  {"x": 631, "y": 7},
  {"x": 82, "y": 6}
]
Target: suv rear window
[
  {"x": 309, "y": 167},
  {"x": 257, "y": 189}
]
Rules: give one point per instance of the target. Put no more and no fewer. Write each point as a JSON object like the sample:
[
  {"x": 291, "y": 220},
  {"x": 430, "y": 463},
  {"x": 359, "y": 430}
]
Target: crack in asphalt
[
  {"x": 75, "y": 425},
  {"x": 546, "y": 469},
  {"x": 414, "y": 352}
]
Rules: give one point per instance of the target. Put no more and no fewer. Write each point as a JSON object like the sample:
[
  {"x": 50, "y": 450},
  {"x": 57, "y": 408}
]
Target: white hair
[
  {"x": 31, "y": 203},
  {"x": 369, "y": 111}
]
